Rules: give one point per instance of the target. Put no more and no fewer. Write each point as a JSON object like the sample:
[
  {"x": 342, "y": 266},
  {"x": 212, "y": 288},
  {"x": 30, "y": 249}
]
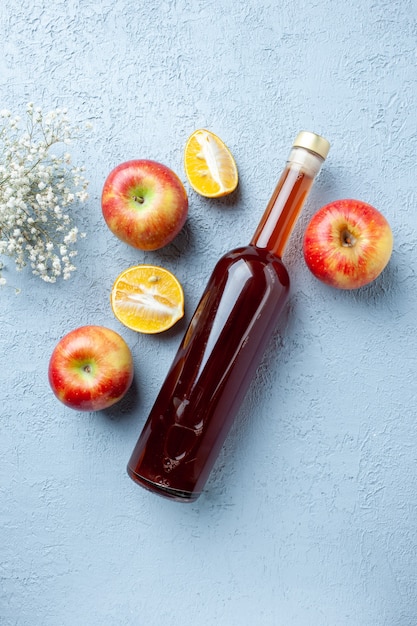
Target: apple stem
[
  {"x": 139, "y": 199},
  {"x": 348, "y": 240}
]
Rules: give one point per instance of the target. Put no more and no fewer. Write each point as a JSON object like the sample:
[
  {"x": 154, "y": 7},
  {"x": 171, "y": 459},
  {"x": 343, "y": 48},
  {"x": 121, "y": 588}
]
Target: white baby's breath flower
[{"x": 35, "y": 186}]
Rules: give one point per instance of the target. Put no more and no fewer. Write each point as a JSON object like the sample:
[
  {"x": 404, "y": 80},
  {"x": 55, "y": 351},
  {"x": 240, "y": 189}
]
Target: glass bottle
[{"x": 224, "y": 343}]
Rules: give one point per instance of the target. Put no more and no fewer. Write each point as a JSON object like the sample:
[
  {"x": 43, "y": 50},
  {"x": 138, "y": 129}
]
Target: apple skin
[
  {"x": 347, "y": 244},
  {"x": 144, "y": 204},
  {"x": 91, "y": 368}
]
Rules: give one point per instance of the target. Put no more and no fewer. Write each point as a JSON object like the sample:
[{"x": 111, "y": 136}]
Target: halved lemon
[
  {"x": 147, "y": 298},
  {"x": 209, "y": 165}
]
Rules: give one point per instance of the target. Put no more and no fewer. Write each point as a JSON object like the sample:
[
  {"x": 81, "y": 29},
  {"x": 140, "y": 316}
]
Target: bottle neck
[{"x": 284, "y": 207}]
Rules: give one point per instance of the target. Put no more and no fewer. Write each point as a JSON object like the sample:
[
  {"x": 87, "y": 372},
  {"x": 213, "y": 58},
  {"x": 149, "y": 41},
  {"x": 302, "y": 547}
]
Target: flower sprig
[{"x": 37, "y": 189}]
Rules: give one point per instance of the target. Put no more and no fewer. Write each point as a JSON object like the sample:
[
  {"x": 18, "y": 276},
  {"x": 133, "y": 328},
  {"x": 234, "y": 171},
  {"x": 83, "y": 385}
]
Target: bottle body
[{"x": 210, "y": 374}]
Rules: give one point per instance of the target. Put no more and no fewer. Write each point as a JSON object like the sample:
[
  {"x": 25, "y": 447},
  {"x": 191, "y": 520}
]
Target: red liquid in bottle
[
  {"x": 219, "y": 353},
  {"x": 210, "y": 373}
]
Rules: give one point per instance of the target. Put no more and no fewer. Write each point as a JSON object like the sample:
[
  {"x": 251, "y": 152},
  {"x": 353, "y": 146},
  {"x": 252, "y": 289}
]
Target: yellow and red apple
[
  {"x": 347, "y": 244},
  {"x": 144, "y": 204},
  {"x": 91, "y": 368}
]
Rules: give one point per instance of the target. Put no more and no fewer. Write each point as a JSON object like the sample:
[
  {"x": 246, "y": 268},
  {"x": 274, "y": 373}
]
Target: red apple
[
  {"x": 144, "y": 204},
  {"x": 347, "y": 244},
  {"x": 91, "y": 368}
]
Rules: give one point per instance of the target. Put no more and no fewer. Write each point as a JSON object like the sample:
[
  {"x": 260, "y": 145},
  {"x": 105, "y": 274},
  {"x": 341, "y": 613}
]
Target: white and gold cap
[{"x": 313, "y": 142}]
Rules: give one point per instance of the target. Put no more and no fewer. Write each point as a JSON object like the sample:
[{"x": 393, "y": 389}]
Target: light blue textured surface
[{"x": 309, "y": 518}]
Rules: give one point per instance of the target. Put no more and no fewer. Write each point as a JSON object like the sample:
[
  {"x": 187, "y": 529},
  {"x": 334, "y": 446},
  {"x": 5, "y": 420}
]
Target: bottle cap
[{"x": 313, "y": 142}]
